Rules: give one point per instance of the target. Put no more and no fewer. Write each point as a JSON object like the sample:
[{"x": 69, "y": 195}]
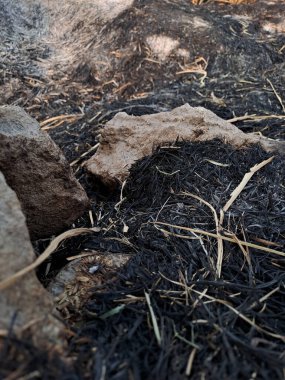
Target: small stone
[{"x": 36, "y": 169}]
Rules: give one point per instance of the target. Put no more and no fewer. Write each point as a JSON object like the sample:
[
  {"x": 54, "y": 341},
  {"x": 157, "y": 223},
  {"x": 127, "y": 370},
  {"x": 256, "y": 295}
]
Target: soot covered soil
[
  {"x": 152, "y": 57},
  {"x": 225, "y": 325},
  {"x": 206, "y": 327},
  {"x": 194, "y": 323}
]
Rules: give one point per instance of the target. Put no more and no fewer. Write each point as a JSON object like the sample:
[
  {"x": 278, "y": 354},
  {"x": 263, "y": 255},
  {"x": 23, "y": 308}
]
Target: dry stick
[
  {"x": 238, "y": 313},
  {"x": 206, "y": 233},
  {"x": 190, "y": 362},
  {"x": 153, "y": 318},
  {"x": 218, "y": 229},
  {"x": 276, "y": 94},
  {"x": 249, "y": 321},
  {"x": 48, "y": 251},
  {"x": 244, "y": 182},
  {"x": 244, "y": 251},
  {"x": 82, "y": 255},
  {"x": 255, "y": 117},
  {"x": 197, "y": 68},
  {"x": 264, "y": 298},
  {"x": 60, "y": 117},
  {"x": 233, "y": 197},
  {"x": 94, "y": 147}
]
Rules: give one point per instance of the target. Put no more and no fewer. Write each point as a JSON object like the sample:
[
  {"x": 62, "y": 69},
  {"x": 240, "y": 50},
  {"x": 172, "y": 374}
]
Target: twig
[
  {"x": 58, "y": 118},
  {"x": 244, "y": 182},
  {"x": 190, "y": 362},
  {"x": 238, "y": 313},
  {"x": 255, "y": 117},
  {"x": 153, "y": 318},
  {"x": 85, "y": 154},
  {"x": 50, "y": 249},
  {"x": 276, "y": 94},
  {"x": 218, "y": 229},
  {"x": 206, "y": 233}
]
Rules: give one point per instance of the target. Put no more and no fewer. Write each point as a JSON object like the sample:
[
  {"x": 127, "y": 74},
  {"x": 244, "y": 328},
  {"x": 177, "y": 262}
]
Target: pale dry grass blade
[
  {"x": 244, "y": 182},
  {"x": 206, "y": 233},
  {"x": 255, "y": 117},
  {"x": 190, "y": 362},
  {"x": 230, "y": 307},
  {"x": 276, "y": 94},
  {"x": 85, "y": 154},
  {"x": 153, "y": 319},
  {"x": 264, "y": 298},
  {"x": 50, "y": 249},
  {"x": 235, "y": 193},
  {"x": 55, "y": 121},
  {"x": 218, "y": 229}
]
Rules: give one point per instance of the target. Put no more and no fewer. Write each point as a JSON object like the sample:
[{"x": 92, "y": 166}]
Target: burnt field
[
  {"x": 165, "y": 314},
  {"x": 88, "y": 62}
]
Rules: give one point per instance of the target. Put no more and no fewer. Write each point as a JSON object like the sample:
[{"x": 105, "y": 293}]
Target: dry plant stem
[
  {"x": 50, "y": 249},
  {"x": 233, "y": 197},
  {"x": 153, "y": 318},
  {"x": 244, "y": 251},
  {"x": 43, "y": 124},
  {"x": 190, "y": 362},
  {"x": 206, "y": 233},
  {"x": 255, "y": 117},
  {"x": 85, "y": 154},
  {"x": 244, "y": 182},
  {"x": 219, "y": 223},
  {"x": 218, "y": 229},
  {"x": 238, "y": 313},
  {"x": 199, "y": 66},
  {"x": 277, "y": 96}
]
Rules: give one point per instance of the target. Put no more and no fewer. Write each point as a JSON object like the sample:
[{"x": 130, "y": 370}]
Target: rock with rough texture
[
  {"x": 76, "y": 281},
  {"x": 126, "y": 139},
  {"x": 36, "y": 169},
  {"x": 25, "y": 306}
]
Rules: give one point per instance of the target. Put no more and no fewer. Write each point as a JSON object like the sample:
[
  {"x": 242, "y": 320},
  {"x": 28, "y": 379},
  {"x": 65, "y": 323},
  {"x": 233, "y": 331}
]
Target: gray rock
[
  {"x": 25, "y": 306},
  {"x": 36, "y": 169},
  {"x": 126, "y": 138}
]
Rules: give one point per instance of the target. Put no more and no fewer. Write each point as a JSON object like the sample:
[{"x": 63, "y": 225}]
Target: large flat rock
[
  {"x": 36, "y": 169},
  {"x": 126, "y": 139},
  {"x": 25, "y": 306}
]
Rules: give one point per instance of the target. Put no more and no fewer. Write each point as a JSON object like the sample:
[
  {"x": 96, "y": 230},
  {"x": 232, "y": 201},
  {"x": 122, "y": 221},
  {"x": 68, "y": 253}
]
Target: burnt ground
[
  {"x": 229, "y": 59},
  {"x": 227, "y": 327},
  {"x": 65, "y": 60}
]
